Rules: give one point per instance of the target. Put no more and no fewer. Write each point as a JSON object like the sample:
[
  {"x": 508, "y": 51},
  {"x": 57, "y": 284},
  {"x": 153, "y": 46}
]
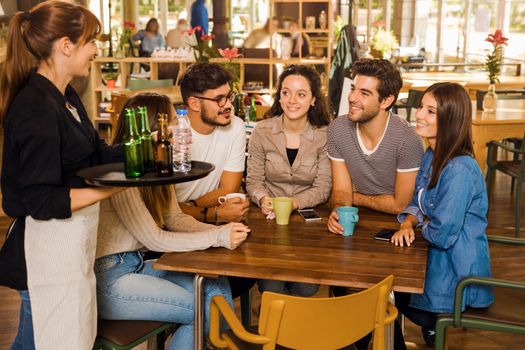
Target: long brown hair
[
  {"x": 454, "y": 125},
  {"x": 31, "y": 38},
  {"x": 156, "y": 198},
  {"x": 318, "y": 115}
]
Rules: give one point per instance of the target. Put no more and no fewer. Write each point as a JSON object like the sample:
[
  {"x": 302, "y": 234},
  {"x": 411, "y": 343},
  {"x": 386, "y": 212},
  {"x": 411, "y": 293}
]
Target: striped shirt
[{"x": 373, "y": 172}]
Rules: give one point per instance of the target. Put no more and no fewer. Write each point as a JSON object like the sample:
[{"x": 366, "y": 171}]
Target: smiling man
[
  {"x": 374, "y": 154},
  {"x": 218, "y": 137}
]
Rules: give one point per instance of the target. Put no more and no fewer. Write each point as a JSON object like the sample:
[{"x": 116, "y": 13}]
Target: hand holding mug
[
  {"x": 266, "y": 205},
  {"x": 348, "y": 218},
  {"x": 233, "y": 207},
  {"x": 282, "y": 207},
  {"x": 333, "y": 223}
]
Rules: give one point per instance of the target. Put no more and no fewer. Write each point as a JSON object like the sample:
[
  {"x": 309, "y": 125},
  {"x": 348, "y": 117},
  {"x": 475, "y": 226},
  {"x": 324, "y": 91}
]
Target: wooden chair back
[
  {"x": 309, "y": 323},
  {"x": 328, "y": 323}
]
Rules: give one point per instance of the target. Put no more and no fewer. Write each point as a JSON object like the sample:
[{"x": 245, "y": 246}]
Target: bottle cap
[{"x": 182, "y": 111}]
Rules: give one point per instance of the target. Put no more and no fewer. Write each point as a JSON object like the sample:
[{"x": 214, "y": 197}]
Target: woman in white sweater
[{"x": 149, "y": 218}]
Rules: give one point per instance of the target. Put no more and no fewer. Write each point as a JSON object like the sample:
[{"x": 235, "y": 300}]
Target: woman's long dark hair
[
  {"x": 318, "y": 115},
  {"x": 454, "y": 125}
]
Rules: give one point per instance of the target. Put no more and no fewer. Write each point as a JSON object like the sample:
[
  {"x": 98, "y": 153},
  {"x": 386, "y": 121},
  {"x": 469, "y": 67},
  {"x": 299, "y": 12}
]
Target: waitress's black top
[{"x": 44, "y": 147}]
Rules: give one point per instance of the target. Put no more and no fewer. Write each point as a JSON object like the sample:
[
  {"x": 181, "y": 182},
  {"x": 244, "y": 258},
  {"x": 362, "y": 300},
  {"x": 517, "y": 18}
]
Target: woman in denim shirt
[{"x": 450, "y": 203}]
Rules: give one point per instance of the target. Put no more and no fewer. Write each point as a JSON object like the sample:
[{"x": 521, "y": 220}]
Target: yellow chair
[{"x": 308, "y": 323}]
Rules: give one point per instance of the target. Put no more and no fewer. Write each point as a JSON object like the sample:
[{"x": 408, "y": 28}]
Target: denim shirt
[{"x": 455, "y": 211}]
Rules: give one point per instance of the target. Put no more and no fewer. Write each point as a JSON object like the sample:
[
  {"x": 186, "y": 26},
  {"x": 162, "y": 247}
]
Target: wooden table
[
  {"x": 507, "y": 121},
  {"x": 472, "y": 81},
  {"x": 307, "y": 252}
]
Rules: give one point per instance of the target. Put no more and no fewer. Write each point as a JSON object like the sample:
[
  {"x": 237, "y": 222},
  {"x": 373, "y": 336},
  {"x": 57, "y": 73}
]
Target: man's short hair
[
  {"x": 201, "y": 77},
  {"x": 384, "y": 71}
]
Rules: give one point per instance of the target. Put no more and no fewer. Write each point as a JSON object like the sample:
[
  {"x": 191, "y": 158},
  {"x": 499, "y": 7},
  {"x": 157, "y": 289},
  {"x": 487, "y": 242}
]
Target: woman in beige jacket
[{"x": 287, "y": 153}]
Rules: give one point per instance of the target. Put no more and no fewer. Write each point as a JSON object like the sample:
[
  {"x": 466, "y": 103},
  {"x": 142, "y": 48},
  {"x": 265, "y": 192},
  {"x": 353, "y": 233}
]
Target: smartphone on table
[
  {"x": 385, "y": 234},
  {"x": 309, "y": 214}
]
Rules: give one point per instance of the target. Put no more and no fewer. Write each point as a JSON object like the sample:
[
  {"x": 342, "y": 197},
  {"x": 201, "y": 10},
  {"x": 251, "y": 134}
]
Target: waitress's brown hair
[{"x": 31, "y": 38}]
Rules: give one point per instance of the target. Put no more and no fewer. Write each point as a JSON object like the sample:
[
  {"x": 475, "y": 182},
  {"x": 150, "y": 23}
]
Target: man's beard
[
  {"x": 365, "y": 117},
  {"x": 213, "y": 120}
]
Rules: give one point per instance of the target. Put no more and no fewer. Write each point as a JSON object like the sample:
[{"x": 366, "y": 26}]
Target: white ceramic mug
[{"x": 223, "y": 199}]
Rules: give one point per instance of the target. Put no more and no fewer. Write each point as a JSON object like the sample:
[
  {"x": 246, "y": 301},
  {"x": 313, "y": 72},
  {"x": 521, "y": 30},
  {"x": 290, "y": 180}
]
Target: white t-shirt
[{"x": 225, "y": 147}]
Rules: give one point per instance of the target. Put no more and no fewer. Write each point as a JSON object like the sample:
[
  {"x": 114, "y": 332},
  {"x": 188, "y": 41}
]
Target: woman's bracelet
[
  {"x": 204, "y": 211},
  {"x": 216, "y": 214}
]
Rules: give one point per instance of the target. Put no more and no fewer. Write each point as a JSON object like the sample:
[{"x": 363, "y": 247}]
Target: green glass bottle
[
  {"x": 163, "y": 148},
  {"x": 133, "y": 161},
  {"x": 146, "y": 140},
  {"x": 253, "y": 112}
]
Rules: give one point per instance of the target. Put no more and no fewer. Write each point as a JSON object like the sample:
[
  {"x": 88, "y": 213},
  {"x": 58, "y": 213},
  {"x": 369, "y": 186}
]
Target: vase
[
  {"x": 322, "y": 20},
  {"x": 490, "y": 100},
  {"x": 286, "y": 48}
]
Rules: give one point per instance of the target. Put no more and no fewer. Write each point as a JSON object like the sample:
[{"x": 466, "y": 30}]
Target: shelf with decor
[
  {"x": 313, "y": 25},
  {"x": 120, "y": 70}
]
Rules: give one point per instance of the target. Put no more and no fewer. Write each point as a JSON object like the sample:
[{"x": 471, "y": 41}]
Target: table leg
[
  {"x": 198, "y": 322},
  {"x": 389, "y": 336}
]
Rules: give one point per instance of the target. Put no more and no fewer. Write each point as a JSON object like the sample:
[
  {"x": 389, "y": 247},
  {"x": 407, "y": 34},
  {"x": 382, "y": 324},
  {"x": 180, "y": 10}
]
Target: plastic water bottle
[{"x": 182, "y": 143}]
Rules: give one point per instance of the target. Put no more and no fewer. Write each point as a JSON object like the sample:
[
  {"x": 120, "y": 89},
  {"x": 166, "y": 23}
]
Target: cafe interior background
[{"x": 421, "y": 36}]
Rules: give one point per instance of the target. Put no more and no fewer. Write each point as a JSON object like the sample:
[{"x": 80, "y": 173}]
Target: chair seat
[
  {"x": 508, "y": 308},
  {"x": 509, "y": 167},
  {"x": 122, "y": 332}
]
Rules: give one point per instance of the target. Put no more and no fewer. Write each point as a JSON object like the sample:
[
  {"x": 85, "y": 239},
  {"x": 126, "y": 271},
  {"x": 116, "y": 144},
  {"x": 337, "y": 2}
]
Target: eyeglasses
[{"x": 221, "y": 100}]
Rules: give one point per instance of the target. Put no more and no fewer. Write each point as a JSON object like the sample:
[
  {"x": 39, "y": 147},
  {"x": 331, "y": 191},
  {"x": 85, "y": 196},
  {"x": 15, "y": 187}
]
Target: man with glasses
[{"x": 218, "y": 137}]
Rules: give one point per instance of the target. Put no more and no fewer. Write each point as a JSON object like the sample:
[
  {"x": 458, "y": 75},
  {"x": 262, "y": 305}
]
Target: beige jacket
[{"x": 308, "y": 181}]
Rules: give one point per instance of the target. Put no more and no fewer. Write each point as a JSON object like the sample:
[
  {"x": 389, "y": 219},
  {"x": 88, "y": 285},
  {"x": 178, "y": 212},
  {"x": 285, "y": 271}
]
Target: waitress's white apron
[{"x": 60, "y": 254}]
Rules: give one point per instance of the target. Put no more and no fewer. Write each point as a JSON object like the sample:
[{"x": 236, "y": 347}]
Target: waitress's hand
[
  {"x": 238, "y": 233},
  {"x": 405, "y": 235}
]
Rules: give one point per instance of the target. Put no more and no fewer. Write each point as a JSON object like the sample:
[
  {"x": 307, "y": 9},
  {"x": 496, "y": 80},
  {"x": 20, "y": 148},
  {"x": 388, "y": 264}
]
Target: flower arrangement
[
  {"x": 234, "y": 68},
  {"x": 493, "y": 61},
  {"x": 383, "y": 43},
  {"x": 129, "y": 28},
  {"x": 202, "y": 49}
]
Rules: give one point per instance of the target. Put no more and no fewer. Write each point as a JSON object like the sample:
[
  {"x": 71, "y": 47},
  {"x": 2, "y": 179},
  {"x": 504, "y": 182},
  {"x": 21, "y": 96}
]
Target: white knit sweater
[{"x": 126, "y": 225}]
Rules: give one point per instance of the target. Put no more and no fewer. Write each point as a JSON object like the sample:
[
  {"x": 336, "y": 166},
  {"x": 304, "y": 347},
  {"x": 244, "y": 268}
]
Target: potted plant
[{"x": 383, "y": 43}]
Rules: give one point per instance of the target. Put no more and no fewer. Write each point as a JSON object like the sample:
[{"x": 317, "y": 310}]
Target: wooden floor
[{"x": 507, "y": 262}]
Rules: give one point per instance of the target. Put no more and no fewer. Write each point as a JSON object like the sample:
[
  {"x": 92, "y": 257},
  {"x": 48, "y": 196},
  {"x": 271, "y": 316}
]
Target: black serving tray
[{"x": 113, "y": 175}]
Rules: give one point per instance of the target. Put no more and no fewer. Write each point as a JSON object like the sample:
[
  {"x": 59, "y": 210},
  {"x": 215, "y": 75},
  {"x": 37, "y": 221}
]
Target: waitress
[{"x": 50, "y": 247}]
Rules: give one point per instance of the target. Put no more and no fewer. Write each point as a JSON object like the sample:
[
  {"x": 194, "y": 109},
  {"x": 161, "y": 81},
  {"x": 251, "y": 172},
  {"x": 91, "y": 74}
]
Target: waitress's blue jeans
[
  {"x": 24, "y": 338},
  {"x": 128, "y": 288}
]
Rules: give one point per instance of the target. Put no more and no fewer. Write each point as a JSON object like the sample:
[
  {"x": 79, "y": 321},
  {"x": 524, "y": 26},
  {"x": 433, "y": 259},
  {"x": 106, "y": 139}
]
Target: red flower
[
  {"x": 207, "y": 37},
  {"x": 192, "y": 30},
  {"x": 129, "y": 25},
  {"x": 229, "y": 53},
  {"x": 497, "y": 38},
  {"x": 378, "y": 23}
]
